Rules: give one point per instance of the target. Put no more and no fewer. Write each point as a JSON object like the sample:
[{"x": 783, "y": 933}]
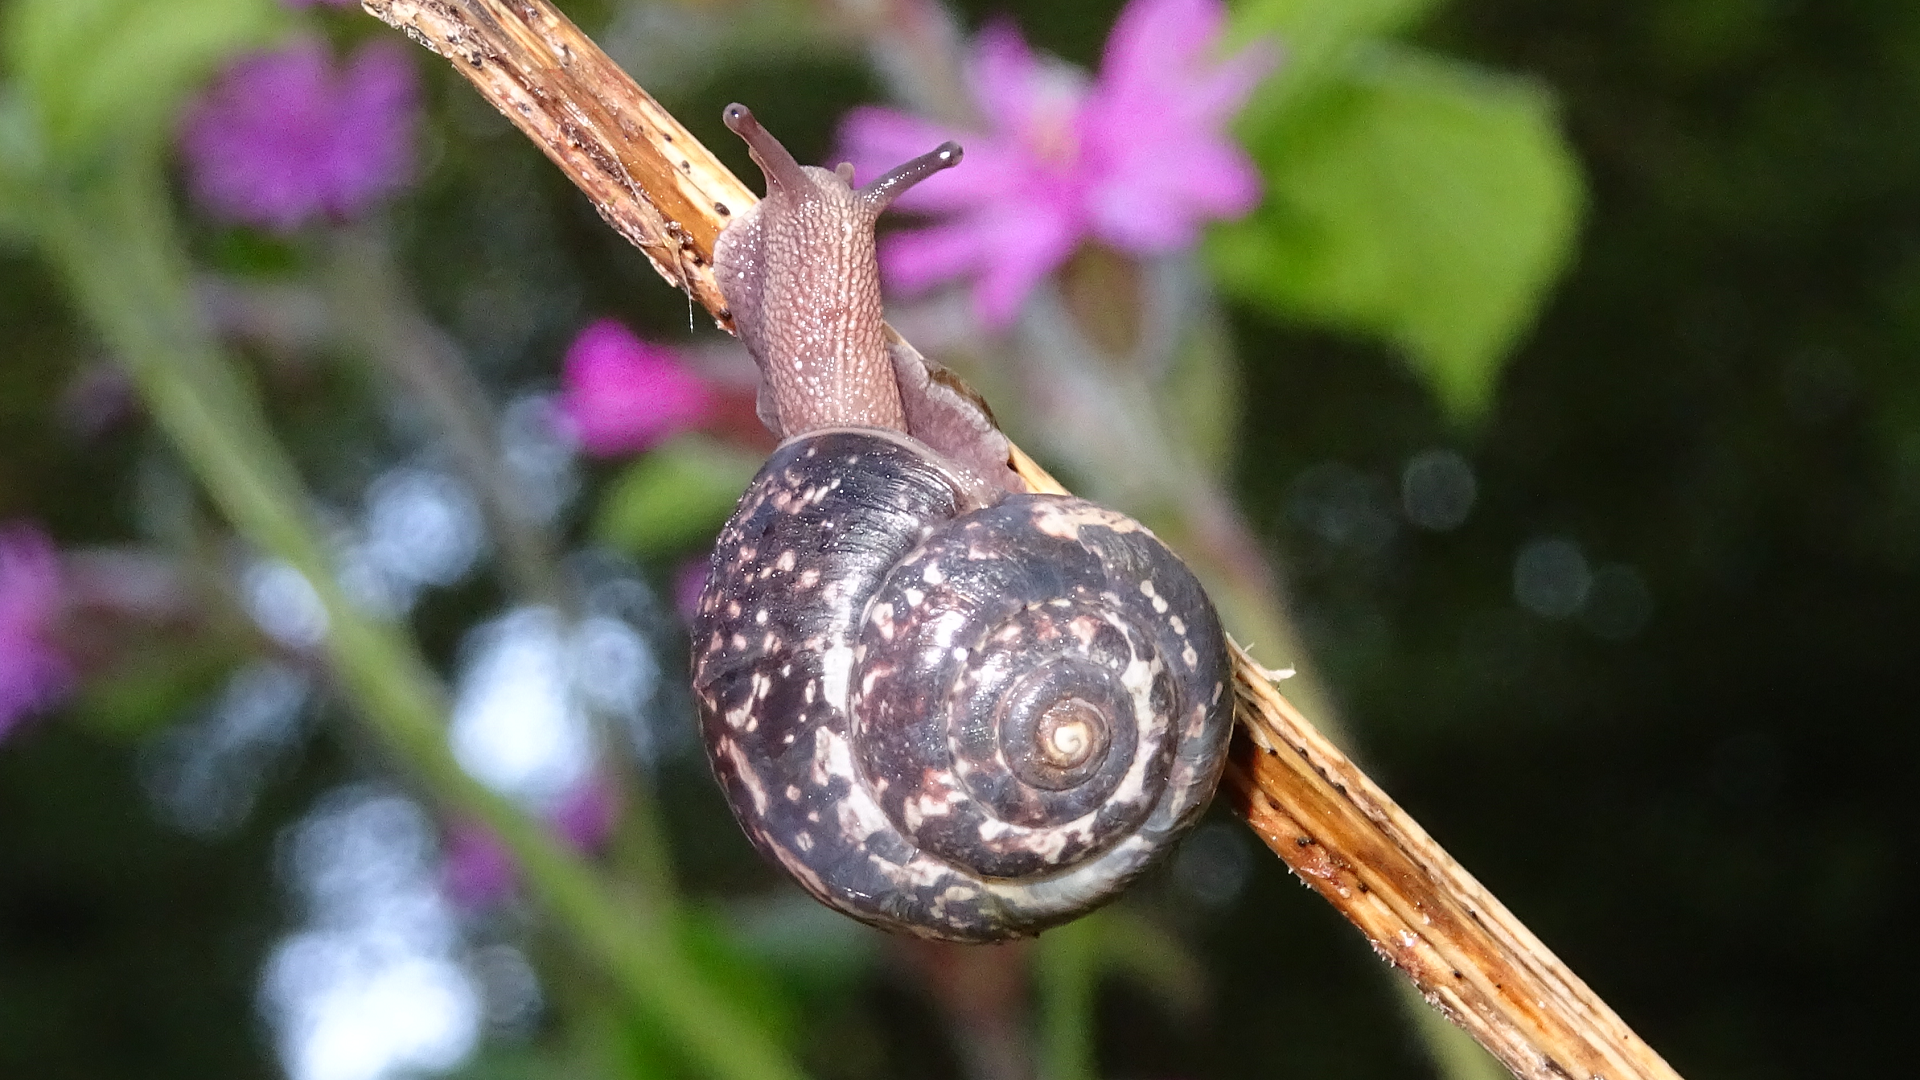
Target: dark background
[{"x": 1706, "y": 819}]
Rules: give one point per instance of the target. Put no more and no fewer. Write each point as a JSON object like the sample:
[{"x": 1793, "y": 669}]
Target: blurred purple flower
[
  {"x": 621, "y": 395},
  {"x": 478, "y": 870},
  {"x": 586, "y": 815},
  {"x": 688, "y": 583},
  {"x": 96, "y": 399},
  {"x": 283, "y": 137},
  {"x": 1137, "y": 159},
  {"x": 34, "y": 673}
]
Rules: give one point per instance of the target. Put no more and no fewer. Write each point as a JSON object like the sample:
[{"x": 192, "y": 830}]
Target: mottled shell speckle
[{"x": 962, "y": 720}]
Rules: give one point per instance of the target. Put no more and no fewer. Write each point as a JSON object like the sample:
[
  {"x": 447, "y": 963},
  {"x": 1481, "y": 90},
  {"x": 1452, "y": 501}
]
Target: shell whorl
[{"x": 947, "y": 712}]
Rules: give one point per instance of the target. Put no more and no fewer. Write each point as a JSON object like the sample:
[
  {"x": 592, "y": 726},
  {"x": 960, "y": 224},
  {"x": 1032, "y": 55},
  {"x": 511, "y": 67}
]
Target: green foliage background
[{"x": 1650, "y": 264}]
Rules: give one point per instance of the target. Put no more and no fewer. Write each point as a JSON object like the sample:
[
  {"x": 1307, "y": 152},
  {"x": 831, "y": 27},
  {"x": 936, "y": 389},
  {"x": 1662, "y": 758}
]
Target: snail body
[{"x": 944, "y": 706}]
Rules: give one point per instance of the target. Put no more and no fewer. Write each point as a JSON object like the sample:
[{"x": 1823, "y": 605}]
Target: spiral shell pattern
[{"x": 964, "y": 721}]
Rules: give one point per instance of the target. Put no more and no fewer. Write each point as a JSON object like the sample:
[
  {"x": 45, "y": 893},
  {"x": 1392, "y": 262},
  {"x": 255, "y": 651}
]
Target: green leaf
[
  {"x": 1318, "y": 39},
  {"x": 674, "y": 498},
  {"x": 1423, "y": 200},
  {"x": 115, "y": 73}
]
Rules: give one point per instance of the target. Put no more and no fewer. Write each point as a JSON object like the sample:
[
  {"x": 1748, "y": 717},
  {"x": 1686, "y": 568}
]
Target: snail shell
[{"x": 948, "y": 711}]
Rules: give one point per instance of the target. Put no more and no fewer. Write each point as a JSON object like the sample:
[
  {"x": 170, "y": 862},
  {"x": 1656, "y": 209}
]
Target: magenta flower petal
[
  {"x": 1030, "y": 98},
  {"x": 1137, "y": 159},
  {"x": 372, "y": 151},
  {"x": 1026, "y": 247},
  {"x": 1214, "y": 98},
  {"x": 34, "y": 673},
  {"x": 1153, "y": 125},
  {"x": 621, "y": 395},
  {"x": 1160, "y": 204},
  {"x": 282, "y": 138},
  {"x": 1006, "y": 251},
  {"x": 1155, "y": 42},
  {"x": 916, "y": 259}
]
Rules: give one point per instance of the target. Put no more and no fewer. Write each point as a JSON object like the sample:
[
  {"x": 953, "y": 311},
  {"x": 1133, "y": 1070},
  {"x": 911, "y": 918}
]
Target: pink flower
[
  {"x": 34, "y": 674},
  {"x": 621, "y": 395},
  {"x": 478, "y": 870},
  {"x": 284, "y": 137},
  {"x": 1137, "y": 159}
]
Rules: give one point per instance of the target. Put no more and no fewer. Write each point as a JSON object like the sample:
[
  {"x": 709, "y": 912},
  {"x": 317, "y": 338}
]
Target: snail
[{"x": 945, "y": 705}]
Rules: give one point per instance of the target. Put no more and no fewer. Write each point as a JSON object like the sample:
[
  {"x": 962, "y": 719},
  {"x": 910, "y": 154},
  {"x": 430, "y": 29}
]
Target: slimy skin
[{"x": 802, "y": 282}]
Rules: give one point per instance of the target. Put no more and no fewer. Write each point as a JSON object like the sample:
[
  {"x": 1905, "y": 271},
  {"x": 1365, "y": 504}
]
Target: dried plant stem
[{"x": 1332, "y": 825}]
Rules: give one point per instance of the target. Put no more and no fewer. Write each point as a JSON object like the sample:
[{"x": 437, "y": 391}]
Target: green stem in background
[
  {"x": 1066, "y": 968},
  {"x": 112, "y": 237},
  {"x": 372, "y": 308}
]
